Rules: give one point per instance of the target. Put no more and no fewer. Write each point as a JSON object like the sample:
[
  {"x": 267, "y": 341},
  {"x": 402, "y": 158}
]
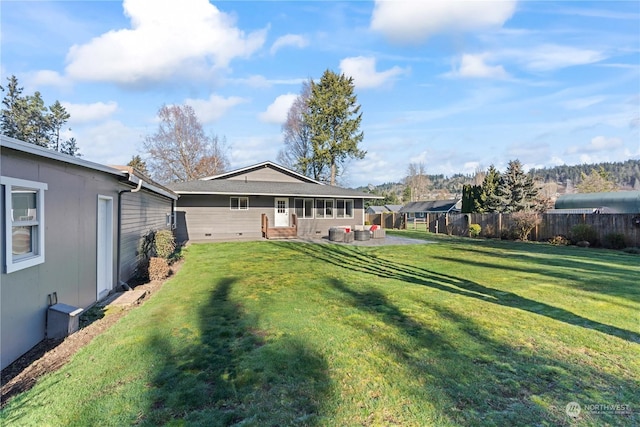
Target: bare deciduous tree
[
  {"x": 180, "y": 150},
  {"x": 417, "y": 181}
]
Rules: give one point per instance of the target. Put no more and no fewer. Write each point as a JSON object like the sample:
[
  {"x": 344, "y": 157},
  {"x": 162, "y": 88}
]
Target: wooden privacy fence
[
  {"x": 385, "y": 220},
  {"x": 497, "y": 225}
]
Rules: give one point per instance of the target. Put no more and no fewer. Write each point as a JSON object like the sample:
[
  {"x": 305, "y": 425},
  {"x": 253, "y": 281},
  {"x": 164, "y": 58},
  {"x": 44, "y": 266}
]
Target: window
[
  {"x": 304, "y": 208},
  {"x": 239, "y": 203},
  {"x": 24, "y": 226},
  {"x": 344, "y": 208},
  {"x": 324, "y": 208}
]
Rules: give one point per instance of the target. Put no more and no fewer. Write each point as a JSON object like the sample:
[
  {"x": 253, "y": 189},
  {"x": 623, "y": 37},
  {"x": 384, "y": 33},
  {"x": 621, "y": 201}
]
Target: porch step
[{"x": 282, "y": 233}]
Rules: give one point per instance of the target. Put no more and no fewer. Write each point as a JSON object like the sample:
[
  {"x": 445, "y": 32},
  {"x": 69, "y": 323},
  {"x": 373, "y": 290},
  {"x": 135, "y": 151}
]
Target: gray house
[
  {"x": 263, "y": 200},
  {"x": 69, "y": 227}
]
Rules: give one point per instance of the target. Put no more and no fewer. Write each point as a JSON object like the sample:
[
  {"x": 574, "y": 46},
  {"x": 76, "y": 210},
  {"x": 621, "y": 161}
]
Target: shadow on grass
[
  {"x": 589, "y": 271},
  {"x": 235, "y": 373},
  {"x": 476, "y": 380},
  {"x": 355, "y": 259}
]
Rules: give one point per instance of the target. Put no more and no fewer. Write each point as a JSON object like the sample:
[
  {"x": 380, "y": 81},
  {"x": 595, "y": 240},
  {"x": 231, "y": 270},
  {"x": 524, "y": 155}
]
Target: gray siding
[
  {"x": 141, "y": 212},
  {"x": 265, "y": 174},
  {"x": 70, "y": 248},
  {"x": 204, "y": 218}
]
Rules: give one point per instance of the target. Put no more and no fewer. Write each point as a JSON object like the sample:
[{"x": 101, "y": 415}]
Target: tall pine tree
[{"x": 333, "y": 117}]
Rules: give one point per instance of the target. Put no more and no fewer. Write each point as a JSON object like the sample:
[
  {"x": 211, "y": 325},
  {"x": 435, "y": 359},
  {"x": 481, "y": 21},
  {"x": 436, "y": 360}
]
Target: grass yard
[{"x": 457, "y": 333}]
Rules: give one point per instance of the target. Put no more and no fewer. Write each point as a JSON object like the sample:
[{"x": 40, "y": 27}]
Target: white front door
[
  {"x": 281, "y": 217},
  {"x": 104, "y": 261}
]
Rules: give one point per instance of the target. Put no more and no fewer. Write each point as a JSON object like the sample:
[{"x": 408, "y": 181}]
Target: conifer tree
[{"x": 333, "y": 118}]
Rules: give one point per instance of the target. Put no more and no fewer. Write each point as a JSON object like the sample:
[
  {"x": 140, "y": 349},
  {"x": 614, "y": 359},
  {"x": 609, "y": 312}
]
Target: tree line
[{"x": 27, "y": 118}]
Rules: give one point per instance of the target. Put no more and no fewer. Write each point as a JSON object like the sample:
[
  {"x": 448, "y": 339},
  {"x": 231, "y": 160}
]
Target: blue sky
[{"x": 455, "y": 85}]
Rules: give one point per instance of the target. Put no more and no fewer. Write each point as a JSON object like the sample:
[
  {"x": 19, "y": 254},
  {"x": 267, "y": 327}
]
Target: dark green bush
[
  {"x": 615, "y": 241},
  {"x": 584, "y": 233}
]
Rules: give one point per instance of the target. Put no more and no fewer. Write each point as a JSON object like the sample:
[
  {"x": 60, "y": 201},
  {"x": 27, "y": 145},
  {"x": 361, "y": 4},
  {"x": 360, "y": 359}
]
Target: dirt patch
[{"x": 49, "y": 355}]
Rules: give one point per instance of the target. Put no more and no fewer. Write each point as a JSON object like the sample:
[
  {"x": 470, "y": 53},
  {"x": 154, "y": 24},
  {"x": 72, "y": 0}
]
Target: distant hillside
[{"x": 625, "y": 174}]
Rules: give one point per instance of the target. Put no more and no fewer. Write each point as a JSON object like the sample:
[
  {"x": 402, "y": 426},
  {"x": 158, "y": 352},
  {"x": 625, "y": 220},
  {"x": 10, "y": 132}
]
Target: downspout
[{"x": 124, "y": 285}]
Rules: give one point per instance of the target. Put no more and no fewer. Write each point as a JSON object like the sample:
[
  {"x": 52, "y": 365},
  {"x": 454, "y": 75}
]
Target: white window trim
[
  {"x": 11, "y": 264},
  {"x": 344, "y": 208},
  {"x": 324, "y": 209},
  {"x": 304, "y": 202},
  {"x": 237, "y": 206}
]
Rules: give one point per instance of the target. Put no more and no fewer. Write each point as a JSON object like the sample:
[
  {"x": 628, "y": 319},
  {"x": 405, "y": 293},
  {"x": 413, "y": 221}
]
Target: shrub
[
  {"x": 559, "y": 240},
  {"x": 615, "y": 241},
  {"x": 474, "y": 230},
  {"x": 164, "y": 243},
  {"x": 584, "y": 233},
  {"x": 524, "y": 222},
  {"x": 158, "y": 268},
  {"x": 159, "y": 243}
]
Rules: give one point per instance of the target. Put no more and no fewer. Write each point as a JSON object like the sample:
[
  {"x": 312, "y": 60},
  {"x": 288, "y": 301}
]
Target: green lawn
[{"x": 459, "y": 332}]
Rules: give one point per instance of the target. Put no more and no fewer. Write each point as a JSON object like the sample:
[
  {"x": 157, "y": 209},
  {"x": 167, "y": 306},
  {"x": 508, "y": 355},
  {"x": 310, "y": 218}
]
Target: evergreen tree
[
  {"x": 13, "y": 107},
  {"x": 488, "y": 201},
  {"x": 598, "y": 181},
  {"x": 70, "y": 147},
  {"x": 333, "y": 118},
  {"x": 28, "y": 119},
  {"x": 516, "y": 191},
  {"x": 137, "y": 163},
  {"x": 58, "y": 118}
]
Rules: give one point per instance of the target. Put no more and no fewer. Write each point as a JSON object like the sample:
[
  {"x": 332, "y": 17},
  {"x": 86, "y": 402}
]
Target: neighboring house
[
  {"x": 421, "y": 209},
  {"x": 263, "y": 200},
  {"x": 620, "y": 202},
  {"x": 66, "y": 223},
  {"x": 380, "y": 209}
]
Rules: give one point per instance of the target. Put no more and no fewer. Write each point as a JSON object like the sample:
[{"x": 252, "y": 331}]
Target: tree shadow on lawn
[
  {"x": 355, "y": 259},
  {"x": 235, "y": 373},
  {"x": 475, "y": 380},
  {"x": 567, "y": 266}
]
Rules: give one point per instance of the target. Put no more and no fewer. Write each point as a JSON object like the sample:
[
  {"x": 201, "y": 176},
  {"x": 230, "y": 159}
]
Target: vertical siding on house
[{"x": 141, "y": 212}]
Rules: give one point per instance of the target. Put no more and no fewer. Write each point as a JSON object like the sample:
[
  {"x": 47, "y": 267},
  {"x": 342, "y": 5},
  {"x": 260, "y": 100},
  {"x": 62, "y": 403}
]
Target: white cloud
[
  {"x": 84, "y": 113},
  {"x": 48, "y": 78},
  {"x": 277, "y": 112},
  {"x": 550, "y": 57},
  {"x": 596, "y": 145},
  {"x": 414, "y": 21},
  {"x": 110, "y": 143},
  {"x": 293, "y": 40},
  {"x": 210, "y": 110},
  {"x": 166, "y": 37},
  {"x": 248, "y": 150},
  {"x": 475, "y": 66},
  {"x": 581, "y": 103},
  {"x": 363, "y": 71}
]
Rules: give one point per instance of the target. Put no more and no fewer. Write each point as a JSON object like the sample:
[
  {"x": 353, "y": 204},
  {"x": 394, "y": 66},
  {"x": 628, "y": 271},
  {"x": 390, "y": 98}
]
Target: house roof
[
  {"x": 269, "y": 164},
  {"x": 232, "y": 184},
  {"x": 385, "y": 208},
  {"x": 266, "y": 188},
  {"x": 439, "y": 206},
  {"x": 126, "y": 173},
  {"x": 611, "y": 202}
]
